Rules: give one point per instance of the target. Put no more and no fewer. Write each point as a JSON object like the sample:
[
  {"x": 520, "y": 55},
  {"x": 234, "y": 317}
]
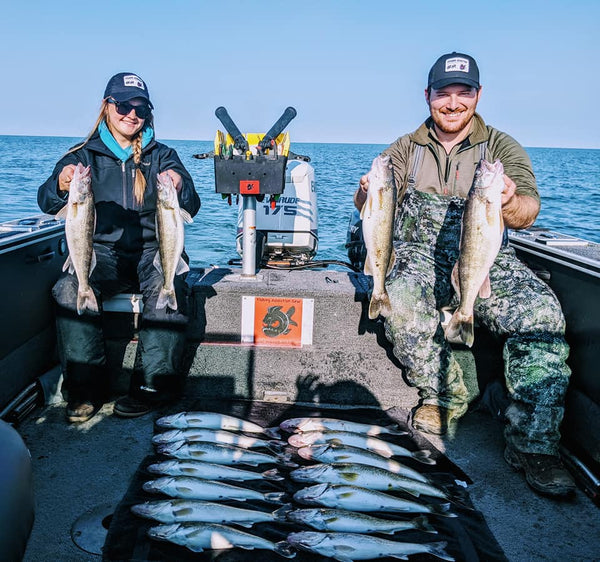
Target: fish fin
[
  {"x": 274, "y": 446},
  {"x": 400, "y": 557},
  {"x": 423, "y": 456},
  {"x": 421, "y": 523},
  {"x": 380, "y": 305},
  {"x": 272, "y": 474},
  {"x": 393, "y": 430},
  {"x": 391, "y": 263},
  {"x": 437, "y": 549},
  {"x": 182, "y": 511},
  {"x": 367, "y": 270},
  {"x": 460, "y": 329},
  {"x": 182, "y": 267},
  {"x": 485, "y": 290},
  {"x": 68, "y": 265},
  {"x": 275, "y": 497},
  {"x": 281, "y": 513},
  {"x": 283, "y": 548},
  {"x": 187, "y": 218},
  {"x": 156, "y": 261},
  {"x": 166, "y": 299},
  {"x": 442, "y": 509},
  {"x": 272, "y": 432},
  {"x": 454, "y": 279},
  {"x": 93, "y": 262},
  {"x": 349, "y": 476},
  {"x": 62, "y": 214},
  {"x": 86, "y": 300},
  {"x": 343, "y": 553}
]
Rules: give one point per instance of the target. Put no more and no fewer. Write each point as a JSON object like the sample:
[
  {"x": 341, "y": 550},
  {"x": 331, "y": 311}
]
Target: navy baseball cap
[
  {"x": 126, "y": 86},
  {"x": 453, "y": 68}
]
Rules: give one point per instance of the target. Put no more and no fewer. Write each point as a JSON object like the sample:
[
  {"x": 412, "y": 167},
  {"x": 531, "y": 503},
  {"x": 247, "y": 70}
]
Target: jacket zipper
[{"x": 124, "y": 184}]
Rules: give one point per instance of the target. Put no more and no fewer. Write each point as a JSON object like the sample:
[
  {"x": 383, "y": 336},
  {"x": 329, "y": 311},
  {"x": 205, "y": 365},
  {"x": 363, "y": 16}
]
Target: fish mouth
[
  {"x": 312, "y": 493},
  {"x": 163, "y": 532},
  {"x": 305, "y": 539}
]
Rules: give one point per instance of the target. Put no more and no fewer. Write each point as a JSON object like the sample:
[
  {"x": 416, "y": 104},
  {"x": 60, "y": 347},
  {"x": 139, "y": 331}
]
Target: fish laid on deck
[
  {"x": 355, "y": 498},
  {"x": 332, "y": 453},
  {"x": 481, "y": 238},
  {"x": 208, "y": 420},
  {"x": 220, "y": 454},
  {"x": 188, "y": 487},
  {"x": 215, "y": 436},
  {"x": 80, "y": 223},
  {"x": 365, "y": 476},
  {"x": 377, "y": 216},
  {"x": 198, "y": 537},
  {"x": 301, "y": 425},
  {"x": 351, "y": 546},
  {"x": 170, "y": 234},
  {"x": 185, "y": 511},
  {"x": 344, "y": 521},
  {"x": 210, "y": 471},
  {"x": 360, "y": 440}
]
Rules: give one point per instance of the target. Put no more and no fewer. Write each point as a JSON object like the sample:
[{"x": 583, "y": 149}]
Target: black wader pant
[{"x": 81, "y": 339}]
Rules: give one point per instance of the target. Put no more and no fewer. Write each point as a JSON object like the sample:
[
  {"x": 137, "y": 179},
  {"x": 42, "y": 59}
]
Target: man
[{"x": 433, "y": 169}]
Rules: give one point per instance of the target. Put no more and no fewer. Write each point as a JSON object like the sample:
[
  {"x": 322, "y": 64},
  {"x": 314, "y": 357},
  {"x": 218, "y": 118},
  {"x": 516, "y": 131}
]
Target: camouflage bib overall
[{"x": 522, "y": 310}]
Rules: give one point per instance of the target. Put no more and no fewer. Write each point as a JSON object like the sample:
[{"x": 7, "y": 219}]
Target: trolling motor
[{"x": 251, "y": 166}]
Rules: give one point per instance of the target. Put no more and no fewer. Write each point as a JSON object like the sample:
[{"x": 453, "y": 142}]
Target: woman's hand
[
  {"x": 65, "y": 177},
  {"x": 177, "y": 180}
]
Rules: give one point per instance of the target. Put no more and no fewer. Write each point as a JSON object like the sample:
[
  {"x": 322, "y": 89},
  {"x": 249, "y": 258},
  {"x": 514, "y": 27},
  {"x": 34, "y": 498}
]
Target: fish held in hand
[
  {"x": 198, "y": 537},
  {"x": 350, "y": 546},
  {"x": 377, "y": 216},
  {"x": 480, "y": 241},
  {"x": 80, "y": 224},
  {"x": 170, "y": 235}
]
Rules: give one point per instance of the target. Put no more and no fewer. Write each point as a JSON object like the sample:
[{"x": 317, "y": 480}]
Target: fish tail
[
  {"x": 460, "y": 328},
  {"x": 286, "y": 460},
  {"x": 437, "y": 549},
  {"x": 166, "y": 298},
  {"x": 423, "y": 456},
  {"x": 275, "y": 497},
  {"x": 275, "y": 446},
  {"x": 380, "y": 305},
  {"x": 281, "y": 513},
  {"x": 421, "y": 523},
  {"x": 443, "y": 510},
  {"x": 272, "y": 474},
  {"x": 86, "y": 300},
  {"x": 273, "y": 432},
  {"x": 284, "y": 548},
  {"x": 393, "y": 430}
]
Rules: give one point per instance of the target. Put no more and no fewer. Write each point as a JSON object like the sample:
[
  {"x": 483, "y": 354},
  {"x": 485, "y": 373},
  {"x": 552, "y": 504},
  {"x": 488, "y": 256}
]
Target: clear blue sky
[{"x": 354, "y": 70}]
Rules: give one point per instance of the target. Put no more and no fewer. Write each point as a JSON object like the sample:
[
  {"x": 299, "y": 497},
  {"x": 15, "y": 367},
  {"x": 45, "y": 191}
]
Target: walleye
[
  {"x": 220, "y": 454},
  {"x": 341, "y": 520},
  {"x": 215, "y": 436},
  {"x": 360, "y": 440},
  {"x": 480, "y": 241},
  {"x": 365, "y": 476},
  {"x": 208, "y": 420},
  {"x": 198, "y": 537},
  {"x": 169, "y": 233},
  {"x": 182, "y": 511},
  {"x": 332, "y": 453},
  {"x": 350, "y": 546},
  {"x": 80, "y": 216},
  {"x": 210, "y": 471},
  {"x": 355, "y": 498},
  {"x": 301, "y": 425},
  {"x": 190, "y": 488},
  {"x": 377, "y": 217}
]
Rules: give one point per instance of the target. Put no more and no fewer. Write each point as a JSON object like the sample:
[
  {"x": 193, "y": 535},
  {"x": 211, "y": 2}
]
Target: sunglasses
[{"x": 143, "y": 110}]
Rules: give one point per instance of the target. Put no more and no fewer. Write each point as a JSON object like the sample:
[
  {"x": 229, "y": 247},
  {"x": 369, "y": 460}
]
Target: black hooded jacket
[{"x": 120, "y": 222}]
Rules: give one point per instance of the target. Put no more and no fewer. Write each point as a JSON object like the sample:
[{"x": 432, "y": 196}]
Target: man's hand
[
  {"x": 65, "y": 177},
  {"x": 360, "y": 196},
  {"x": 518, "y": 211}
]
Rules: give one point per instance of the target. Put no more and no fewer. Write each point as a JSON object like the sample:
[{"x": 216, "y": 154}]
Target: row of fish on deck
[{"x": 352, "y": 474}]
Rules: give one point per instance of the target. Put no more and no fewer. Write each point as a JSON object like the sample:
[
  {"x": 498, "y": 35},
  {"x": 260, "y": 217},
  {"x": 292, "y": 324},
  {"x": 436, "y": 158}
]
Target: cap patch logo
[
  {"x": 134, "y": 81},
  {"x": 457, "y": 64}
]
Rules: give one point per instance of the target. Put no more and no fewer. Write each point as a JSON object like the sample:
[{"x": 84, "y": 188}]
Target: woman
[{"x": 125, "y": 161}]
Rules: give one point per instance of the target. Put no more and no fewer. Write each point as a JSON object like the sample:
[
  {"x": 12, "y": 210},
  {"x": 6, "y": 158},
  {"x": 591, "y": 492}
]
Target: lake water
[{"x": 568, "y": 180}]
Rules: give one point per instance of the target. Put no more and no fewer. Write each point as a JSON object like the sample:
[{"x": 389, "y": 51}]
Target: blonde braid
[{"x": 139, "y": 186}]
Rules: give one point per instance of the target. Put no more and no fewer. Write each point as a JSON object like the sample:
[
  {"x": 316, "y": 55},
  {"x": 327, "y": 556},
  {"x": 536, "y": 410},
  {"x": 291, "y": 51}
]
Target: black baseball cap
[
  {"x": 126, "y": 86},
  {"x": 454, "y": 68}
]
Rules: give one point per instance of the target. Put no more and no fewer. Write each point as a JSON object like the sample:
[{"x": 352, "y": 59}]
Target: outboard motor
[
  {"x": 355, "y": 243},
  {"x": 287, "y": 224}
]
